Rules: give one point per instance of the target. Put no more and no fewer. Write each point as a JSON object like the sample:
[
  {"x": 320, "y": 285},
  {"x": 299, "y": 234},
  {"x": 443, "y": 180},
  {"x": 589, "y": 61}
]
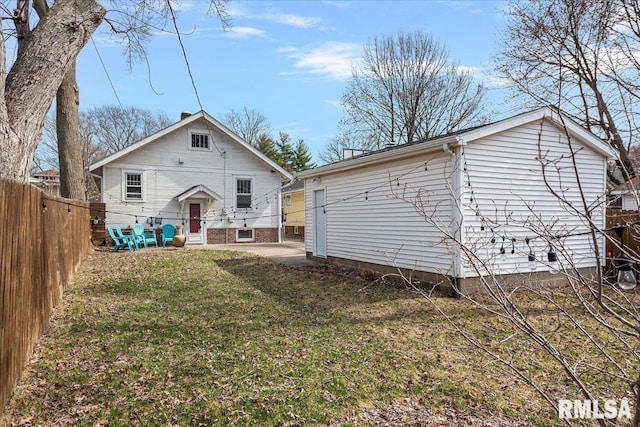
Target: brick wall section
[
  {"x": 288, "y": 232},
  {"x": 265, "y": 235},
  {"x": 216, "y": 236}
]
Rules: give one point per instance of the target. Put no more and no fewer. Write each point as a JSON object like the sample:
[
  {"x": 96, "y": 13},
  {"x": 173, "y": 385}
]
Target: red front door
[{"x": 194, "y": 218}]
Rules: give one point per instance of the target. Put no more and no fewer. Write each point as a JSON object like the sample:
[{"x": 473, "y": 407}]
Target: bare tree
[
  {"x": 580, "y": 55},
  {"x": 102, "y": 131},
  {"x": 114, "y": 127},
  {"x": 35, "y": 76},
  {"x": 408, "y": 89},
  {"x": 248, "y": 124},
  {"x": 348, "y": 139},
  {"x": 130, "y": 22}
]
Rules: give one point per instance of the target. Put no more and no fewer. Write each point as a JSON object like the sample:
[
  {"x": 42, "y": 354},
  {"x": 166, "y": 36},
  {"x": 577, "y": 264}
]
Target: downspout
[
  {"x": 457, "y": 181},
  {"x": 224, "y": 195},
  {"x": 280, "y": 230}
]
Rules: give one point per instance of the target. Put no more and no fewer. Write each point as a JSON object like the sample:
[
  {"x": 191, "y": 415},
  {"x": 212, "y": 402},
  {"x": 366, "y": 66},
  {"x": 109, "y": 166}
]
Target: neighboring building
[
  {"x": 626, "y": 195},
  {"x": 199, "y": 174},
  {"x": 293, "y": 210},
  {"x": 442, "y": 207},
  {"x": 48, "y": 181}
]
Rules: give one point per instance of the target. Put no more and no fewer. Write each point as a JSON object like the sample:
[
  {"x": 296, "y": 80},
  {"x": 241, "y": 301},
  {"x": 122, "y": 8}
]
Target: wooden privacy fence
[{"x": 42, "y": 241}]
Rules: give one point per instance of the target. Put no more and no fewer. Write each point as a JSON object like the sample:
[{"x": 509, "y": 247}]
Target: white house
[
  {"x": 626, "y": 195},
  {"x": 470, "y": 204},
  {"x": 199, "y": 174}
]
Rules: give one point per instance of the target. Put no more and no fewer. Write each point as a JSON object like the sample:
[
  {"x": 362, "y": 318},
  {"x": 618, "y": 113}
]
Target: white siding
[
  {"x": 629, "y": 202},
  {"x": 170, "y": 167},
  {"x": 508, "y": 185},
  {"x": 383, "y": 225},
  {"x": 509, "y": 190}
]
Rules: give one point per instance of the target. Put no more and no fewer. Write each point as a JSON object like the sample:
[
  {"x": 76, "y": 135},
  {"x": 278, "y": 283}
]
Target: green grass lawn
[{"x": 190, "y": 337}]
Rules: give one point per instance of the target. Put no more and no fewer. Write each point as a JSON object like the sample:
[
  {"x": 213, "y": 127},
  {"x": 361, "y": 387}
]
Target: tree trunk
[
  {"x": 35, "y": 77},
  {"x": 69, "y": 144}
]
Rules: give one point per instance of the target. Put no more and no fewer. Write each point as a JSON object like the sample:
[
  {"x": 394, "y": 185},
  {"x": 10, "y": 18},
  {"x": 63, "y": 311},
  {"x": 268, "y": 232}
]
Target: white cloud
[
  {"x": 293, "y": 20},
  {"x": 334, "y": 60},
  {"x": 244, "y": 32},
  {"x": 238, "y": 10},
  {"x": 333, "y": 103},
  {"x": 483, "y": 76}
]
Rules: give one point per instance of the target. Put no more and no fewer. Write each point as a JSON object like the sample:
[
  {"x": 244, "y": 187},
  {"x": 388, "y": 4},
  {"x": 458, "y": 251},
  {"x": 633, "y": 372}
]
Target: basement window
[{"x": 244, "y": 235}]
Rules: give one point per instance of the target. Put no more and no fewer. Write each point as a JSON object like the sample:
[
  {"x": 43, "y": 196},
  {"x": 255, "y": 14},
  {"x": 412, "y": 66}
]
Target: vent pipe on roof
[{"x": 184, "y": 115}]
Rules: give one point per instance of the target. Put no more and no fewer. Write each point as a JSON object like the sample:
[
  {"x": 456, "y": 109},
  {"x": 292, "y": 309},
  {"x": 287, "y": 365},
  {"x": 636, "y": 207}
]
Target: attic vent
[{"x": 184, "y": 115}]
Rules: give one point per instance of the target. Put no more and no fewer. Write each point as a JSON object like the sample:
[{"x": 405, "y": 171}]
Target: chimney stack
[{"x": 184, "y": 115}]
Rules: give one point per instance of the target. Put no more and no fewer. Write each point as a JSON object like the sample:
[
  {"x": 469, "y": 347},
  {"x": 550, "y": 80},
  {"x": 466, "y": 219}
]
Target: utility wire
[
  {"x": 186, "y": 61},
  {"x": 106, "y": 71}
]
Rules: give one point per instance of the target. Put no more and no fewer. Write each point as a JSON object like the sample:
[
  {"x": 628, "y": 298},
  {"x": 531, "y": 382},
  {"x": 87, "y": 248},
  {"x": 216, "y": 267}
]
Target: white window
[
  {"x": 243, "y": 193},
  {"x": 199, "y": 141},
  {"x": 287, "y": 200},
  {"x": 295, "y": 230},
  {"x": 244, "y": 235},
  {"x": 132, "y": 185}
]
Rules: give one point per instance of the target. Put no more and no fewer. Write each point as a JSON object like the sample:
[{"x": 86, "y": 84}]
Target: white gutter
[{"x": 398, "y": 153}]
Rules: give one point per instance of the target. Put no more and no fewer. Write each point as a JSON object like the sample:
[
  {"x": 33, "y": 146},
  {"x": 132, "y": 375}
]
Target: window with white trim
[
  {"x": 287, "y": 200},
  {"x": 133, "y": 186},
  {"x": 244, "y": 235},
  {"x": 199, "y": 141},
  {"x": 243, "y": 193}
]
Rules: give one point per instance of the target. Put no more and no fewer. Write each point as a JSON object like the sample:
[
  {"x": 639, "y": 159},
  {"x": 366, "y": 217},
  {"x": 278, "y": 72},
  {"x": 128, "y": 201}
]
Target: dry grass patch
[{"x": 225, "y": 338}]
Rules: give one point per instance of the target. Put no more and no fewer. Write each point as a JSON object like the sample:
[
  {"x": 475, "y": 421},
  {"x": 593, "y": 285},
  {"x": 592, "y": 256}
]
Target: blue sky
[{"x": 289, "y": 60}]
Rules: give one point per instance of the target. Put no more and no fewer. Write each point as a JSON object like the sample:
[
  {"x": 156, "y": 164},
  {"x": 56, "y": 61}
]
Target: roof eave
[{"x": 371, "y": 159}]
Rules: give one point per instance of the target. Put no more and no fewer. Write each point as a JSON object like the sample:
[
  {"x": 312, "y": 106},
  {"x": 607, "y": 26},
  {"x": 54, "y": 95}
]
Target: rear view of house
[
  {"x": 491, "y": 200},
  {"x": 198, "y": 174}
]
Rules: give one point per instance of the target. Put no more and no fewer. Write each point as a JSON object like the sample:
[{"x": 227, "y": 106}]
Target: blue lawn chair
[
  {"x": 168, "y": 231},
  {"x": 127, "y": 238},
  {"x": 142, "y": 237},
  {"x": 119, "y": 242}
]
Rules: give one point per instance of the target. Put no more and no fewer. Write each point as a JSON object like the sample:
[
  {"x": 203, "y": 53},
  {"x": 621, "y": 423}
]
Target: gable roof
[
  {"x": 294, "y": 186},
  {"x": 462, "y": 137},
  {"x": 198, "y": 189},
  {"x": 628, "y": 186},
  {"x": 184, "y": 122}
]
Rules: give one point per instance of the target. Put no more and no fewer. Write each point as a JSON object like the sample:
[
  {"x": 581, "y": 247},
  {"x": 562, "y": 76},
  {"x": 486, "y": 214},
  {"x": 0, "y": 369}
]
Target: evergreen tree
[
  {"x": 266, "y": 145},
  {"x": 285, "y": 153},
  {"x": 301, "y": 157}
]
